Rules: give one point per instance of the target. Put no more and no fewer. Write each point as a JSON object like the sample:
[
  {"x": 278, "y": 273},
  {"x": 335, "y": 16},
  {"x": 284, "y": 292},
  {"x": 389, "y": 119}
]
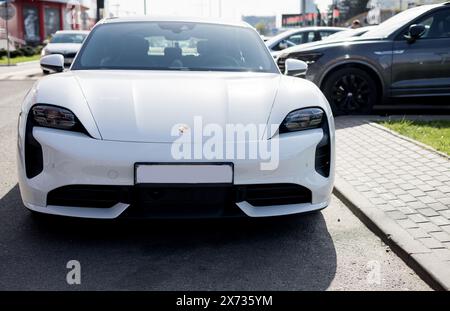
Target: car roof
[
  {"x": 313, "y": 28},
  {"x": 72, "y": 31},
  {"x": 129, "y": 19},
  {"x": 286, "y": 33}
]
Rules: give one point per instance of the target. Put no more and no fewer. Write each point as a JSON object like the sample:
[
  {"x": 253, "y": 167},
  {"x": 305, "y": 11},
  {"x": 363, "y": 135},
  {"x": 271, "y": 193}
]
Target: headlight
[
  {"x": 45, "y": 52},
  {"x": 309, "y": 58},
  {"x": 54, "y": 117},
  {"x": 302, "y": 119}
]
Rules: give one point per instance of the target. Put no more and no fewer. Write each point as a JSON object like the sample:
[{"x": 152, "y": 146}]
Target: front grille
[
  {"x": 179, "y": 200},
  {"x": 69, "y": 55},
  {"x": 281, "y": 64},
  {"x": 196, "y": 201},
  {"x": 66, "y": 55}
]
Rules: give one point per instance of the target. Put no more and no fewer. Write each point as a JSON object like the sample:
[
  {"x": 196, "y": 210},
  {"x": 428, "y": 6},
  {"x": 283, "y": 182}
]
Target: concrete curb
[
  {"x": 21, "y": 64},
  {"x": 415, "y": 255},
  {"x": 28, "y": 63}
]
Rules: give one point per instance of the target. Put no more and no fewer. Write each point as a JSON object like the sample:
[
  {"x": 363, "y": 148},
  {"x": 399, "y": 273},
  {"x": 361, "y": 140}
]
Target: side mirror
[
  {"x": 415, "y": 32},
  {"x": 282, "y": 45},
  {"x": 54, "y": 62},
  {"x": 296, "y": 68}
]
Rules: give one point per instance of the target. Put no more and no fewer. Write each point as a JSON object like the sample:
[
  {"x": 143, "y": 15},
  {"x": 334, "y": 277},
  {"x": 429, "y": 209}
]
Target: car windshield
[
  {"x": 174, "y": 46},
  {"x": 386, "y": 28},
  {"x": 68, "y": 38}
]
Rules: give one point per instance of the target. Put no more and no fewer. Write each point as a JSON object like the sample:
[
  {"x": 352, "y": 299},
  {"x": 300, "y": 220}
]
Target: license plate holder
[{"x": 184, "y": 173}]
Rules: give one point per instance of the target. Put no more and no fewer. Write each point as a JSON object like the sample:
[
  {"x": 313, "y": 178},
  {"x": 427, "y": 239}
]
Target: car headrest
[
  {"x": 203, "y": 47},
  {"x": 173, "y": 52},
  {"x": 446, "y": 25},
  {"x": 136, "y": 46}
]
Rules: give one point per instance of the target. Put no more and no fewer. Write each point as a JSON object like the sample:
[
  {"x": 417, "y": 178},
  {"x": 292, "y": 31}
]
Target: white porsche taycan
[{"x": 174, "y": 118}]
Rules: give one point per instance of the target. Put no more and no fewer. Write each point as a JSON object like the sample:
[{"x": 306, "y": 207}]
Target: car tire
[
  {"x": 45, "y": 72},
  {"x": 350, "y": 91}
]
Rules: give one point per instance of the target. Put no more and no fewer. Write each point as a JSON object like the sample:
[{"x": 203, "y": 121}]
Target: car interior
[{"x": 137, "y": 52}]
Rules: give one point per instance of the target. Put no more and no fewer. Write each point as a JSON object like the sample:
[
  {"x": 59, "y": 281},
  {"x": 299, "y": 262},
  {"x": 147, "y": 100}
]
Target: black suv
[{"x": 406, "y": 56}]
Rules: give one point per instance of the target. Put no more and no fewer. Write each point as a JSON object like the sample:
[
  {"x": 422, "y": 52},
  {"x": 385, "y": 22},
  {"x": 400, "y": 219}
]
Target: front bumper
[{"x": 76, "y": 159}]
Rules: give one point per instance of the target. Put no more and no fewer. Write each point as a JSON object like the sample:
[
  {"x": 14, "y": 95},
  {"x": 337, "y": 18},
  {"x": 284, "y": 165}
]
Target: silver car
[
  {"x": 298, "y": 36},
  {"x": 65, "y": 42}
]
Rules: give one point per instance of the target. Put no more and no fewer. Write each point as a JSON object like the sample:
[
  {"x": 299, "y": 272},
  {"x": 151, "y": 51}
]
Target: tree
[
  {"x": 261, "y": 28},
  {"x": 351, "y": 8}
]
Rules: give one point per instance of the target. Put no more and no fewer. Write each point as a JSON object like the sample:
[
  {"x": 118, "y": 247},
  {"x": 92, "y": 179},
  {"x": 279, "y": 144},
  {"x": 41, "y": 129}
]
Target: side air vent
[
  {"x": 273, "y": 194},
  {"x": 90, "y": 196},
  {"x": 323, "y": 152},
  {"x": 33, "y": 152}
]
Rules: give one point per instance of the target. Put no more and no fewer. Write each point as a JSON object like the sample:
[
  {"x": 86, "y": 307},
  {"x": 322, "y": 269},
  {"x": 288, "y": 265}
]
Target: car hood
[
  {"x": 312, "y": 46},
  {"x": 320, "y": 43},
  {"x": 144, "y": 106},
  {"x": 63, "y": 47}
]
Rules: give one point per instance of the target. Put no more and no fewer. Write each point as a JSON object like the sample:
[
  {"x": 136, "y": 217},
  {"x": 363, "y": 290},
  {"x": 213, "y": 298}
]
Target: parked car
[
  {"x": 114, "y": 134},
  {"x": 338, "y": 36},
  {"x": 407, "y": 56},
  {"x": 64, "y": 42},
  {"x": 297, "y": 36}
]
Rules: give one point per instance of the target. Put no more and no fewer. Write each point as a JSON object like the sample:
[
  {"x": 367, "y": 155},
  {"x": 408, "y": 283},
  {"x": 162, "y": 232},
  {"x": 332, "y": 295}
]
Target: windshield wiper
[{"x": 178, "y": 68}]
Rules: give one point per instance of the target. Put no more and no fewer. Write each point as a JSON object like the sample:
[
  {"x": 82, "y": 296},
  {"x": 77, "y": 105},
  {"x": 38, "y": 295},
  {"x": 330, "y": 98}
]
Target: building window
[
  {"x": 31, "y": 24},
  {"x": 52, "y": 21},
  {"x": 68, "y": 18}
]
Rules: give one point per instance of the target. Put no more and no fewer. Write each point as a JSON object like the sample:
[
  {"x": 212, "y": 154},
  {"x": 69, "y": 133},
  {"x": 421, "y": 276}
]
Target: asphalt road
[
  {"x": 330, "y": 250},
  {"x": 24, "y": 71}
]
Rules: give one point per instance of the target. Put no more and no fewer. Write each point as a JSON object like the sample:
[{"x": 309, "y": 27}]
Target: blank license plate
[{"x": 183, "y": 174}]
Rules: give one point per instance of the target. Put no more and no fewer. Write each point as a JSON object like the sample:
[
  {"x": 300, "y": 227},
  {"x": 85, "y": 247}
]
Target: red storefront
[{"x": 36, "y": 20}]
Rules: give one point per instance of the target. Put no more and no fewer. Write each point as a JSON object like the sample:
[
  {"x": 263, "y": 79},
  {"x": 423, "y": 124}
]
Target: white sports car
[{"x": 174, "y": 118}]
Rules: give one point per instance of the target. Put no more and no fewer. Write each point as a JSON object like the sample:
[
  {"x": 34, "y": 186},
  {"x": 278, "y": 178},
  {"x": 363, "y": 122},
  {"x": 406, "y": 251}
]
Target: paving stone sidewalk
[{"x": 398, "y": 182}]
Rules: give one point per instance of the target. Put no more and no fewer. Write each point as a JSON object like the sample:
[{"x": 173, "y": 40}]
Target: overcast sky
[{"x": 231, "y": 9}]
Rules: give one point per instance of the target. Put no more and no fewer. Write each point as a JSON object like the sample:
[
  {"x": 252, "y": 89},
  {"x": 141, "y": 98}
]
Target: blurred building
[
  {"x": 400, "y": 5},
  {"x": 381, "y": 10},
  {"x": 309, "y": 15},
  {"x": 36, "y": 20}
]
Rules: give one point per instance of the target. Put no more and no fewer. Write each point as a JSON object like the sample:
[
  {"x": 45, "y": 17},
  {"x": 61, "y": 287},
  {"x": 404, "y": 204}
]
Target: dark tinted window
[
  {"x": 324, "y": 34},
  {"x": 391, "y": 25},
  {"x": 297, "y": 38},
  {"x": 319, "y": 35},
  {"x": 174, "y": 46},
  {"x": 68, "y": 38},
  {"x": 283, "y": 44},
  {"x": 437, "y": 25},
  {"x": 314, "y": 36}
]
